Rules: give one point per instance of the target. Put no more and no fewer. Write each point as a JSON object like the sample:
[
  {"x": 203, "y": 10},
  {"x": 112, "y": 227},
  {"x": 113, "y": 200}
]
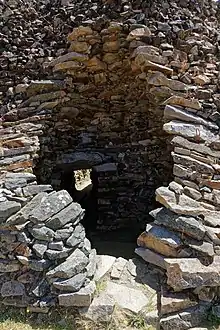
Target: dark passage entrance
[{"x": 82, "y": 185}]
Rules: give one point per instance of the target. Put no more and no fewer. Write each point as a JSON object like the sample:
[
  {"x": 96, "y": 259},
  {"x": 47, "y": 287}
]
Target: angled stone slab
[
  {"x": 22, "y": 216},
  {"x": 72, "y": 266},
  {"x": 161, "y": 240},
  {"x": 8, "y": 208},
  {"x": 180, "y": 204},
  {"x": 49, "y": 206},
  {"x": 82, "y": 298},
  {"x": 127, "y": 298},
  {"x": 192, "y": 162},
  {"x": 181, "y": 101},
  {"x": 175, "y": 302},
  {"x": 172, "y": 112},
  {"x": 183, "y": 223},
  {"x": 104, "y": 264},
  {"x": 195, "y": 132},
  {"x": 151, "y": 257},
  {"x": 188, "y": 273},
  {"x": 71, "y": 213}
]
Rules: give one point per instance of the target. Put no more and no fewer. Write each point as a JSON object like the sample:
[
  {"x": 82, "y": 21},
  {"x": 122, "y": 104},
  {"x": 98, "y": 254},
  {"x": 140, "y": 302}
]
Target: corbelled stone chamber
[{"x": 136, "y": 84}]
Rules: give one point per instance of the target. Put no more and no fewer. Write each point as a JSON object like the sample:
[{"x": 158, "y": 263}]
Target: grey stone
[
  {"x": 174, "y": 112},
  {"x": 73, "y": 265},
  {"x": 191, "y": 317},
  {"x": 9, "y": 266},
  {"x": 22, "y": 216},
  {"x": 58, "y": 246},
  {"x": 100, "y": 310},
  {"x": 183, "y": 223},
  {"x": 54, "y": 254},
  {"x": 12, "y": 288},
  {"x": 73, "y": 284},
  {"x": 91, "y": 267},
  {"x": 187, "y": 130},
  {"x": 77, "y": 236},
  {"x": 69, "y": 214},
  {"x": 20, "y": 179},
  {"x": 151, "y": 257},
  {"x": 64, "y": 233},
  {"x": 50, "y": 205},
  {"x": 82, "y": 298},
  {"x": 39, "y": 265},
  {"x": 174, "y": 302},
  {"x": 104, "y": 264},
  {"x": 42, "y": 233},
  {"x": 42, "y": 288},
  {"x": 118, "y": 268},
  {"x": 7, "y": 209},
  {"x": 127, "y": 298},
  {"x": 36, "y": 189},
  {"x": 85, "y": 246},
  {"x": 202, "y": 248},
  {"x": 22, "y": 237},
  {"x": 40, "y": 247}
]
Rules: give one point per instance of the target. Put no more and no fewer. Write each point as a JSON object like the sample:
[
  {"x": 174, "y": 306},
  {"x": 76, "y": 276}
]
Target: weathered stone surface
[
  {"x": 73, "y": 265},
  {"x": 54, "y": 255},
  {"x": 8, "y": 266},
  {"x": 188, "y": 318},
  {"x": 104, "y": 264},
  {"x": 138, "y": 33},
  {"x": 91, "y": 267},
  {"x": 118, "y": 267},
  {"x": 71, "y": 213},
  {"x": 180, "y": 204},
  {"x": 8, "y": 208},
  {"x": 185, "y": 224},
  {"x": 23, "y": 215},
  {"x": 187, "y": 130},
  {"x": 12, "y": 288},
  {"x": 191, "y": 162},
  {"x": 190, "y": 273},
  {"x": 160, "y": 240},
  {"x": 42, "y": 233},
  {"x": 159, "y": 79},
  {"x": 101, "y": 308},
  {"x": 181, "y": 101},
  {"x": 40, "y": 247},
  {"x": 36, "y": 189},
  {"x": 50, "y": 205},
  {"x": 77, "y": 236},
  {"x": 82, "y": 298},
  {"x": 73, "y": 284},
  {"x": 151, "y": 257},
  {"x": 174, "y": 302},
  {"x": 127, "y": 298}
]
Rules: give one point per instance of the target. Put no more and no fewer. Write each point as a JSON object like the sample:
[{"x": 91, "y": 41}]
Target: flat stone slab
[
  {"x": 101, "y": 309},
  {"x": 175, "y": 302},
  {"x": 182, "y": 223},
  {"x": 49, "y": 206},
  {"x": 8, "y": 208},
  {"x": 72, "y": 266},
  {"x": 82, "y": 298},
  {"x": 69, "y": 214},
  {"x": 185, "y": 273},
  {"x": 118, "y": 267},
  {"x": 104, "y": 264},
  {"x": 127, "y": 298}
]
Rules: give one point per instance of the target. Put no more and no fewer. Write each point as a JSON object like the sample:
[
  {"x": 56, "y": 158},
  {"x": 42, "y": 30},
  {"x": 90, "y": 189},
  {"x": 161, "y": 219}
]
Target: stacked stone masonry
[{"x": 104, "y": 101}]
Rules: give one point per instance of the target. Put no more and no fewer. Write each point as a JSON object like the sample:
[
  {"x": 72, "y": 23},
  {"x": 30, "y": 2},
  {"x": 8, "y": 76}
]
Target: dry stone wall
[{"x": 109, "y": 96}]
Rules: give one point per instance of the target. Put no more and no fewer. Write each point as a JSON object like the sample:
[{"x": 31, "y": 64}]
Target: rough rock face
[
  {"x": 125, "y": 73},
  {"x": 43, "y": 253}
]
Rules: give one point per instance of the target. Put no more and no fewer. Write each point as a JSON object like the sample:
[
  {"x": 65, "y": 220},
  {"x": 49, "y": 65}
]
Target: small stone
[
  {"x": 174, "y": 302},
  {"x": 139, "y": 33},
  {"x": 82, "y": 298},
  {"x": 7, "y": 209},
  {"x": 77, "y": 236},
  {"x": 40, "y": 247},
  {"x": 71, "y": 213},
  {"x": 73, "y": 265},
  {"x": 42, "y": 233},
  {"x": 36, "y": 189},
  {"x": 73, "y": 284},
  {"x": 181, "y": 101},
  {"x": 104, "y": 264},
  {"x": 50, "y": 205},
  {"x": 118, "y": 268},
  {"x": 53, "y": 254},
  {"x": 58, "y": 246},
  {"x": 12, "y": 288},
  {"x": 91, "y": 267},
  {"x": 9, "y": 266},
  {"x": 151, "y": 257}
]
